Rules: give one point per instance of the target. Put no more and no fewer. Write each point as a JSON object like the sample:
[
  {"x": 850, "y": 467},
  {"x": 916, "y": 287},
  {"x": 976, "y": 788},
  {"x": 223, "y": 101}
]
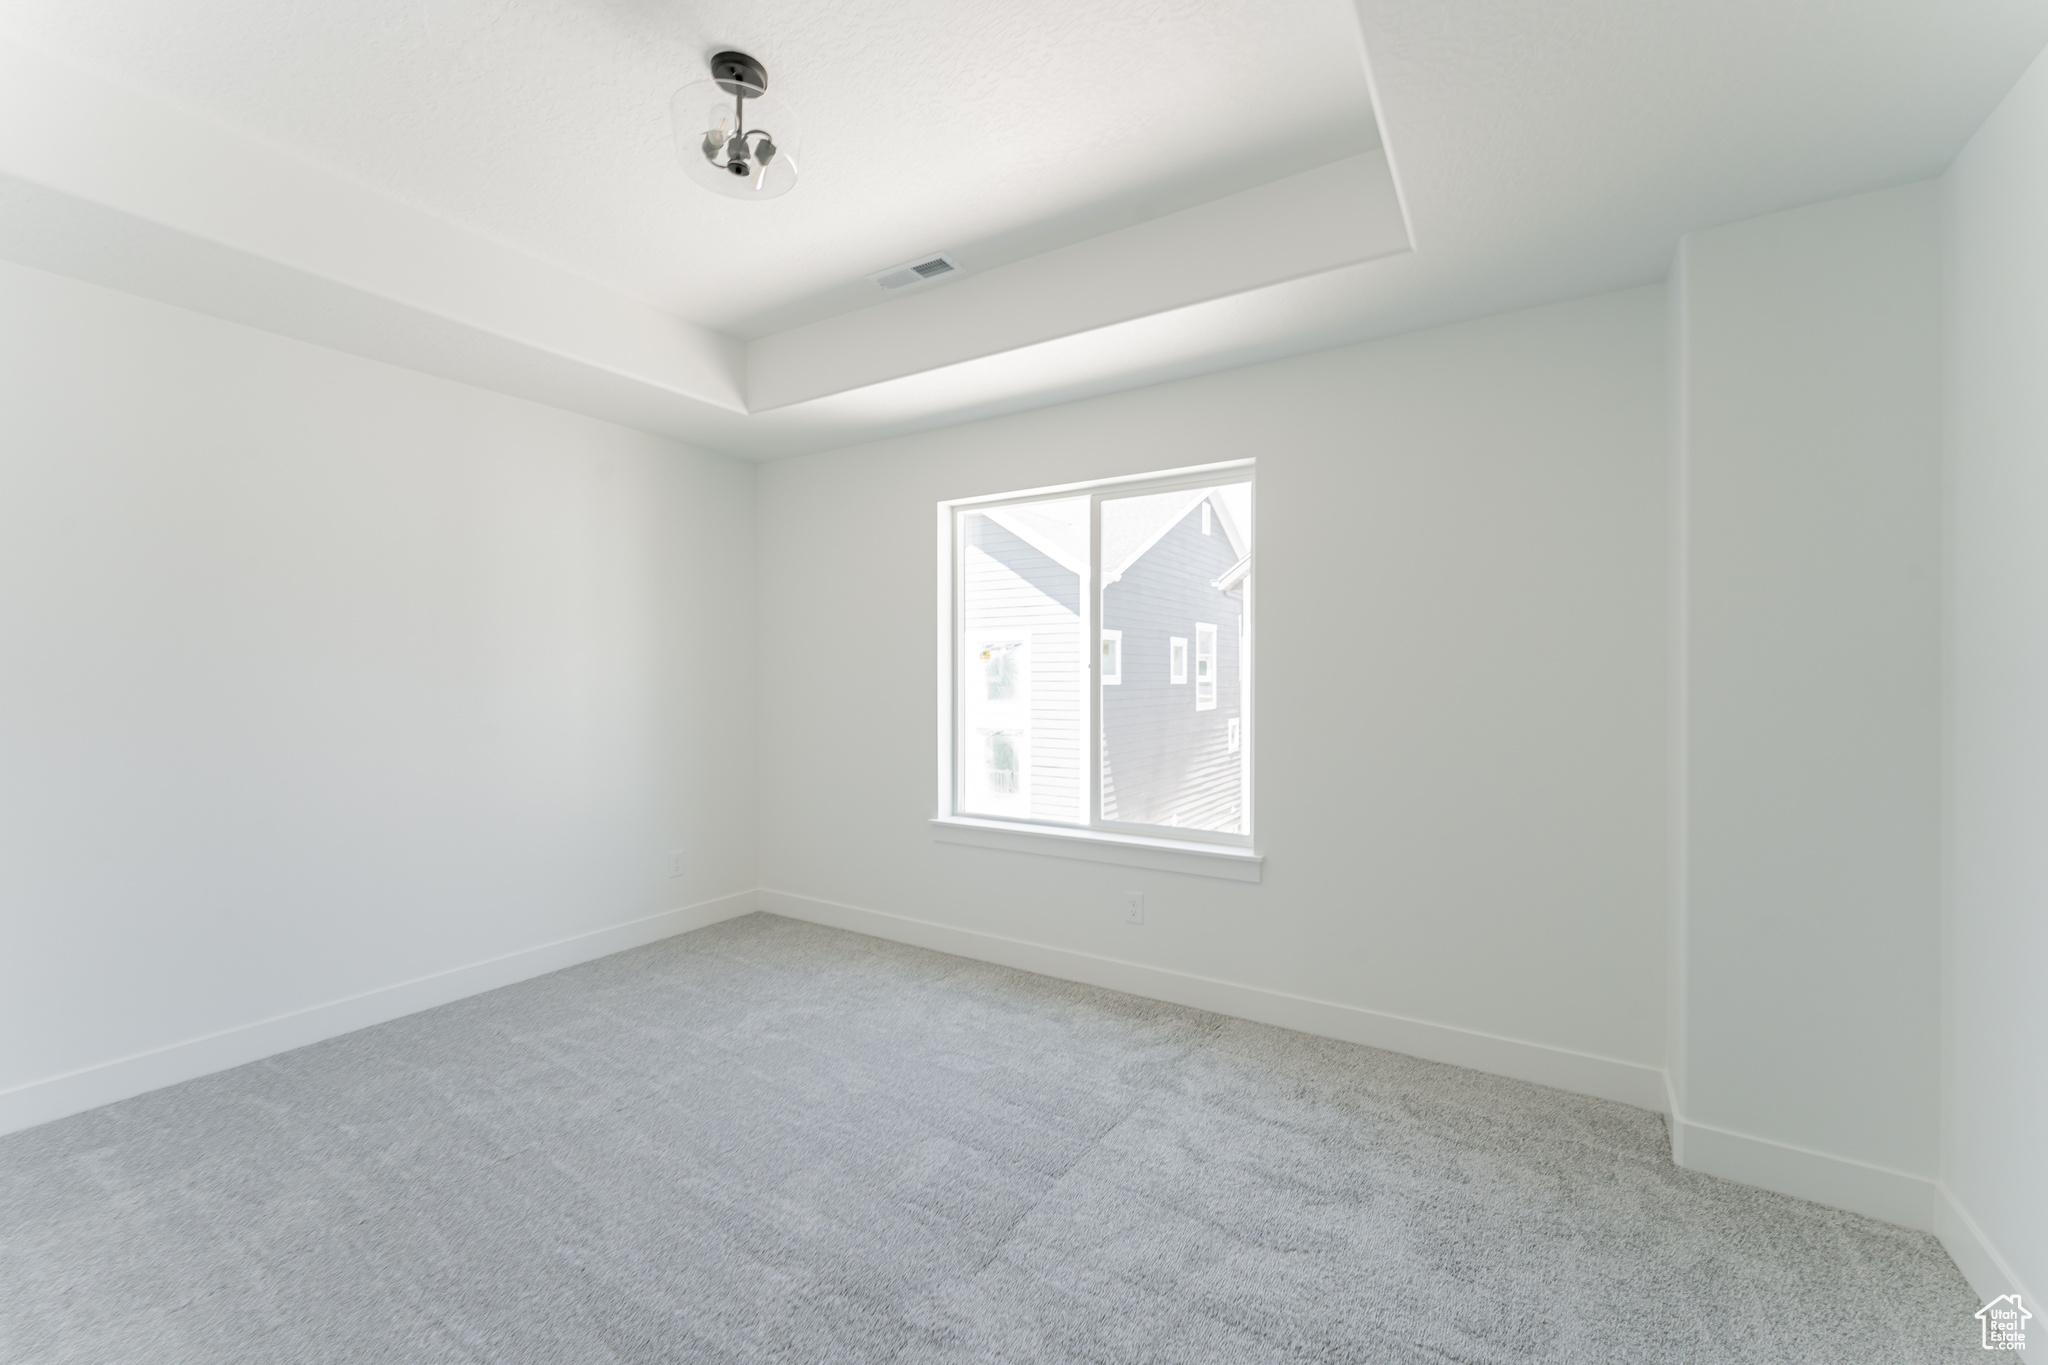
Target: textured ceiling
[{"x": 997, "y": 129}]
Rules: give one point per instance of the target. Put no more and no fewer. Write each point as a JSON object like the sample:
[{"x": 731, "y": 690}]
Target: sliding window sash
[{"x": 953, "y": 738}]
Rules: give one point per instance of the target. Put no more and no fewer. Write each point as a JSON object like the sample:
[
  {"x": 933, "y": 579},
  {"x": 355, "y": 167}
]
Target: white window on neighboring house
[
  {"x": 1112, "y": 657},
  {"x": 1236, "y": 735},
  {"x": 999, "y": 669},
  {"x": 1205, "y": 518},
  {"x": 999, "y": 752},
  {"x": 1177, "y": 658},
  {"x": 1205, "y": 666},
  {"x": 998, "y": 714}
]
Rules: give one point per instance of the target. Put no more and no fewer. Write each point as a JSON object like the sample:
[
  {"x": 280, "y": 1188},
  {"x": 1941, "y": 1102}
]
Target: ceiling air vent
[{"x": 923, "y": 270}]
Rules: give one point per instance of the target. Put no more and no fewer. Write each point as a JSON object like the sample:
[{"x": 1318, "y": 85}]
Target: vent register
[{"x": 923, "y": 270}]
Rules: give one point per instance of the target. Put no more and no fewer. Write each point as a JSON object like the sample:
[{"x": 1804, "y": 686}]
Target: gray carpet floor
[{"x": 771, "y": 1141}]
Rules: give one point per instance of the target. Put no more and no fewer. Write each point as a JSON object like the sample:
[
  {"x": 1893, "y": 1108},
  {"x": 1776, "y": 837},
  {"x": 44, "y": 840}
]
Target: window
[
  {"x": 1001, "y": 758},
  {"x": 1000, "y": 670},
  {"x": 1046, "y": 593},
  {"x": 998, "y": 712}
]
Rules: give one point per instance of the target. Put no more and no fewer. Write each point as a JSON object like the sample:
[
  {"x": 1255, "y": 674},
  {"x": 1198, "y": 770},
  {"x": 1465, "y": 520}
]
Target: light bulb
[{"x": 759, "y": 163}]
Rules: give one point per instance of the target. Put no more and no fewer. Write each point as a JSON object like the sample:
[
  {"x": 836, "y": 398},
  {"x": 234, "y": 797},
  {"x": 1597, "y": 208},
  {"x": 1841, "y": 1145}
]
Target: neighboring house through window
[{"x": 1143, "y": 570}]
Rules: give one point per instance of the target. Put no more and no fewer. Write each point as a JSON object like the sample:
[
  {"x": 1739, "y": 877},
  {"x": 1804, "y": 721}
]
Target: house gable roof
[{"x": 1058, "y": 527}]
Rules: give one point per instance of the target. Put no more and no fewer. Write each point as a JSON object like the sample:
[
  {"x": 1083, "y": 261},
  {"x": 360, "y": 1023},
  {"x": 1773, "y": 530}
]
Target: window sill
[{"x": 1099, "y": 846}]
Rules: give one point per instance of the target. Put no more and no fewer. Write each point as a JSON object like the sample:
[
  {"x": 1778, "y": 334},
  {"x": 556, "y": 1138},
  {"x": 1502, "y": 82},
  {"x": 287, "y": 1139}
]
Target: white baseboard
[
  {"x": 1873, "y": 1191},
  {"x": 1561, "y": 1068},
  {"x": 41, "y": 1101},
  {"x": 1989, "y": 1273},
  {"x": 1839, "y": 1182}
]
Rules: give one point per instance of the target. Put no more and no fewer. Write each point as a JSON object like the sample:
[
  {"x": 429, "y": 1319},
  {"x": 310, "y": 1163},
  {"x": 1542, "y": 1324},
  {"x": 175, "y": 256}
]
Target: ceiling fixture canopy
[{"x": 732, "y": 136}]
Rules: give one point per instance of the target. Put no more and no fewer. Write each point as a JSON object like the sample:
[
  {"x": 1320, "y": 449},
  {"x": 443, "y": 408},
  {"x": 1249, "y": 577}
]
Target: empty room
[{"x": 1180, "y": 681}]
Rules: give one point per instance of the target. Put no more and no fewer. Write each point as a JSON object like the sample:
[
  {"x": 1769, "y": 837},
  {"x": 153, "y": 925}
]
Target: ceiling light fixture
[{"x": 731, "y": 135}]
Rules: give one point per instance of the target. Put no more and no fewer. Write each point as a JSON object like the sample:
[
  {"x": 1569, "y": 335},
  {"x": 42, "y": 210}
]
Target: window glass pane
[
  {"x": 1176, "y": 595},
  {"x": 1021, "y": 674}
]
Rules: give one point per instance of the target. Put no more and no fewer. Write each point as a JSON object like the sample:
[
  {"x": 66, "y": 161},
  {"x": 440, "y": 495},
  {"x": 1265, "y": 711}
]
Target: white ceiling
[
  {"x": 996, "y": 129},
  {"x": 1098, "y": 167}
]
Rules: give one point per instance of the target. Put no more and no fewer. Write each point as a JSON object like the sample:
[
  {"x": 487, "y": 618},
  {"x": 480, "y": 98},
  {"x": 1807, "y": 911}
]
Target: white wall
[
  {"x": 1461, "y": 766},
  {"x": 319, "y": 676},
  {"x": 1809, "y": 452},
  {"x": 1995, "y": 941},
  {"x": 330, "y": 690}
]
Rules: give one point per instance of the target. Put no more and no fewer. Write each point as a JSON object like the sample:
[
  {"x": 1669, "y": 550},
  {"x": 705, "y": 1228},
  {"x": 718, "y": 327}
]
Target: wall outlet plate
[
  {"x": 1134, "y": 907},
  {"x": 675, "y": 864}
]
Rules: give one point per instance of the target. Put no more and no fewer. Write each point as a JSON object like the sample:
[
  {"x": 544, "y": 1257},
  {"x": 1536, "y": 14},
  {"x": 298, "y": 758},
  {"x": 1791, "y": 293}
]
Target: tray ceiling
[{"x": 1140, "y": 191}]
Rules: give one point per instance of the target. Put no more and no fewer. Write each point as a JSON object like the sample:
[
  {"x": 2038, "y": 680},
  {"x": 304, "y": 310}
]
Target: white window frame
[
  {"x": 1112, "y": 676},
  {"x": 1203, "y": 852},
  {"x": 1177, "y": 660},
  {"x": 1205, "y": 703}
]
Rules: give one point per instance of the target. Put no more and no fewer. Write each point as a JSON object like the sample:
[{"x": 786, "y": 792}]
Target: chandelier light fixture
[{"x": 732, "y": 136}]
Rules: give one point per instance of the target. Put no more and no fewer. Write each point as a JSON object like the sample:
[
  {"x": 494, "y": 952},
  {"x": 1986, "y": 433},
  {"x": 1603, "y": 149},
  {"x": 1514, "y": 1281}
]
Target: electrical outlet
[
  {"x": 675, "y": 864},
  {"x": 1134, "y": 907}
]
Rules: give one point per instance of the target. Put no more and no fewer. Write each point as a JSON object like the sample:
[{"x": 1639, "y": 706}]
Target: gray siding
[
  {"x": 1013, "y": 584},
  {"x": 1164, "y": 762}
]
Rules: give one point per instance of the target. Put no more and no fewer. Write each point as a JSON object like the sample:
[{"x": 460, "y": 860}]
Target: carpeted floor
[{"x": 771, "y": 1141}]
